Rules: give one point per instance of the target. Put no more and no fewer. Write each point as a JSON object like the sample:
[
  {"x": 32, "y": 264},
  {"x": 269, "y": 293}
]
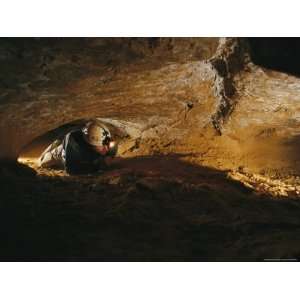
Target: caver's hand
[{"x": 108, "y": 160}]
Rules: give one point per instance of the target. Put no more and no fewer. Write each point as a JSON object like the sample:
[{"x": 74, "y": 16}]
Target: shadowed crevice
[{"x": 281, "y": 54}]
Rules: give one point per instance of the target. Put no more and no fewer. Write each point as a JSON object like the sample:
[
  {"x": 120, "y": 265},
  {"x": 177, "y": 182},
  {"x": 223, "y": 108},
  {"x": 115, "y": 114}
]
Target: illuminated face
[{"x": 103, "y": 150}]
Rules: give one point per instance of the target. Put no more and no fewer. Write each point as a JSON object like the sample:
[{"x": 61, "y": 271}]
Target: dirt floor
[{"x": 160, "y": 206}]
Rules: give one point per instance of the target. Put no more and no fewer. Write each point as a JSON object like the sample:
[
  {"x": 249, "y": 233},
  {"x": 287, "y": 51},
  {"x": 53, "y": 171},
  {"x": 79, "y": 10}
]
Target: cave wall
[{"x": 150, "y": 83}]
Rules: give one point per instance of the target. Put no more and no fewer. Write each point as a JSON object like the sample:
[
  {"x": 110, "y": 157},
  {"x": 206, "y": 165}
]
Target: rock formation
[
  {"x": 147, "y": 82},
  {"x": 209, "y": 144}
]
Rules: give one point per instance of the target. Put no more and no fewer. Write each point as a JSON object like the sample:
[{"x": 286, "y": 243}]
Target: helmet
[{"x": 96, "y": 134}]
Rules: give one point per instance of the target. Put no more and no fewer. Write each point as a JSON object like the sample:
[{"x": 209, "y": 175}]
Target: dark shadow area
[
  {"x": 151, "y": 208},
  {"x": 281, "y": 54}
]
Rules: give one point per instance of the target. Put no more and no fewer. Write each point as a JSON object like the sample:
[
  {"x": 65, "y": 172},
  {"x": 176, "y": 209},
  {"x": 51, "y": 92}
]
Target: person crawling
[{"x": 81, "y": 151}]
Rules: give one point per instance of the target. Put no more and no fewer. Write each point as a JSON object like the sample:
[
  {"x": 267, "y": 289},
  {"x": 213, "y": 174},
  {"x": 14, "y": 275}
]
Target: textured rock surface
[
  {"x": 150, "y": 82},
  {"x": 164, "y": 95}
]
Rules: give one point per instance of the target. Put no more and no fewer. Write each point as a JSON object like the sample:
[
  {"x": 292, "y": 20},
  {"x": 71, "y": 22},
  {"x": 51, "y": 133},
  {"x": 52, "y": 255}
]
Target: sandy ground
[{"x": 155, "y": 206}]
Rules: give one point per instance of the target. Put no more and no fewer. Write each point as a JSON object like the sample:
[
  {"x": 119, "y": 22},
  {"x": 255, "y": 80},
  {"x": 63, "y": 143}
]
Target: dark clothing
[{"x": 78, "y": 156}]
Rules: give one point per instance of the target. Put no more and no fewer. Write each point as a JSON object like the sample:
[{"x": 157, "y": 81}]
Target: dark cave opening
[{"x": 280, "y": 54}]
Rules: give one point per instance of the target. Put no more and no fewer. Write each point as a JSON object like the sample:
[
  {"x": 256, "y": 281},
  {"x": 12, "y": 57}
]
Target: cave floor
[{"x": 149, "y": 208}]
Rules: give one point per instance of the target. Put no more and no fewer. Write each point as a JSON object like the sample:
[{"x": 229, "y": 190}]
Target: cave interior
[{"x": 208, "y": 167}]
